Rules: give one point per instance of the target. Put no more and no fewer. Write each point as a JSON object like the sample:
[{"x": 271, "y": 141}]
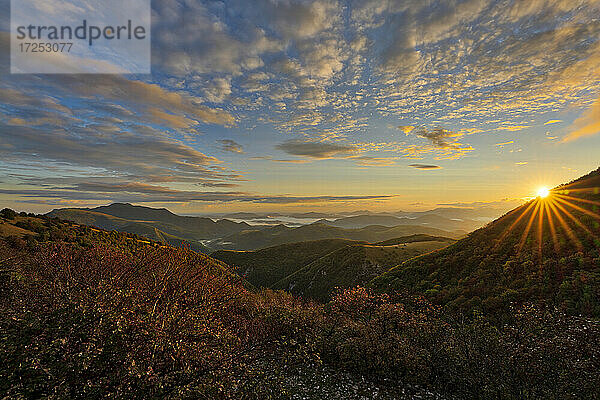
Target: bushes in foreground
[
  {"x": 96, "y": 322},
  {"x": 170, "y": 323}
]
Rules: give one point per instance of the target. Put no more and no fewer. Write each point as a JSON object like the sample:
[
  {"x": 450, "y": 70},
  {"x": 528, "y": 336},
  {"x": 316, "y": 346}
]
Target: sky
[{"x": 269, "y": 105}]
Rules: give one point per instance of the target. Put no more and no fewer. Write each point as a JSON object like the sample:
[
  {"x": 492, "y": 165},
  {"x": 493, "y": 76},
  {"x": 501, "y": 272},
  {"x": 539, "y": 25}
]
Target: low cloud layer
[
  {"x": 425, "y": 166},
  {"x": 149, "y": 195},
  {"x": 315, "y": 149}
]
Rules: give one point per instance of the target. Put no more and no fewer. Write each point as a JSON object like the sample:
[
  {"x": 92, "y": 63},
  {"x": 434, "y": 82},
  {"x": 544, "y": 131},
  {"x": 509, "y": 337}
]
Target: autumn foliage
[{"x": 100, "y": 321}]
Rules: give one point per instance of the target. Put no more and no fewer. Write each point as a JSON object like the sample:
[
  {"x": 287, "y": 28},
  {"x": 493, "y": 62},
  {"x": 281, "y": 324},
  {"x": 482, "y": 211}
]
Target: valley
[{"x": 316, "y": 304}]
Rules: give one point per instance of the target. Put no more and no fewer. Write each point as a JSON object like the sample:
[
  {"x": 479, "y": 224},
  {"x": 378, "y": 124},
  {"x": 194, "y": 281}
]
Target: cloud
[
  {"x": 440, "y": 22},
  {"x": 425, "y": 166},
  {"x": 140, "y": 195},
  {"x": 545, "y": 8},
  {"x": 298, "y": 20},
  {"x": 218, "y": 184},
  {"x": 292, "y": 161},
  {"x": 217, "y": 90},
  {"x": 512, "y": 128},
  {"x": 480, "y": 206},
  {"x": 231, "y": 146},
  {"x": 406, "y": 128},
  {"x": 397, "y": 46},
  {"x": 314, "y": 149},
  {"x": 586, "y": 125},
  {"x": 114, "y": 151},
  {"x": 505, "y": 143},
  {"x": 188, "y": 38},
  {"x": 439, "y": 137},
  {"x": 109, "y": 187},
  {"x": 553, "y": 121},
  {"x": 269, "y": 158},
  {"x": 139, "y": 95},
  {"x": 367, "y": 161}
]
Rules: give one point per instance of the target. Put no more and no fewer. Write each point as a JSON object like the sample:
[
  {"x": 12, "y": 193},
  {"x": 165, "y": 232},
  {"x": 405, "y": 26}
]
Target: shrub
[{"x": 7, "y": 213}]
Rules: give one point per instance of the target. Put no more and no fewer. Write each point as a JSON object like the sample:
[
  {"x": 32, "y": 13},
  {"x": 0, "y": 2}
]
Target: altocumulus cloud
[
  {"x": 439, "y": 137},
  {"x": 290, "y": 64},
  {"x": 231, "y": 146}
]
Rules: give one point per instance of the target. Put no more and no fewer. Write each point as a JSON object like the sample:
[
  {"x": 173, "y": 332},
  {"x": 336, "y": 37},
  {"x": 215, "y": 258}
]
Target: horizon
[{"x": 332, "y": 213}]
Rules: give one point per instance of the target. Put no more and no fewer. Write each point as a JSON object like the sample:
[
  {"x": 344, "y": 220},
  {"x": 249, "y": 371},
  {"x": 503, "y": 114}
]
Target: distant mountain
[
  {"x": 156, "y": 224},
  {"x": 547, "y": 250},
  {"x": 206, "y": 227},
  {"x": 245, "y": 215},
  {"x": 355, "y": 264},
  {"x": 428, "y": 219},
  {"x": 266, "y": 266},
  {"x": 310, "y": 215},
  {"x": 253, "y": 239},
  {"x": 141, "y": 213},
  {"x": 475, "y": 213},
  {"x": 414, "y": 238}
]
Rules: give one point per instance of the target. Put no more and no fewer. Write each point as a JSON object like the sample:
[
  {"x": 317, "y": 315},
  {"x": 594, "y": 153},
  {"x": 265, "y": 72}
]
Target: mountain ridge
[{"x": 547, "y": 250}]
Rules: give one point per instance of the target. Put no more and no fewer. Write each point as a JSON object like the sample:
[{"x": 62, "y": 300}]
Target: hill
[
  {"x": 414, "y": 238},
  {"x": 27, "y": 229},
  {"x": 157, "y": 231},
  {"x": 201, "y": 226},
  {"x": 88, "y": 313},
  {"x": 429, "y": 219},
  {"x": 546, "y": 251},
  {"x": 280, "y": 234},
  {"x": 266, "y": 266},
  {"x": 355, "y": 264},
  {"x": 156, "y": 224},
  {"x": 473, "y": 213}
]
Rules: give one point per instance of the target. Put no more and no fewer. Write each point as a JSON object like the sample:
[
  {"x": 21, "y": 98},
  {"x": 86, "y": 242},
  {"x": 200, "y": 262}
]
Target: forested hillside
[
  {"x": 354, "y": 265},
  {"x": 86, "y": 313},
  {"x": 266, "y": 266},
  {"x": 253, "y": 239},
  {"x": 546, "y": 251}
]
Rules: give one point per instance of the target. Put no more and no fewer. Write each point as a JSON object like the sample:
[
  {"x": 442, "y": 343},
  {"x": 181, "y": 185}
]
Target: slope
[
  {"x": 430, "y": 220},
  {"x": 280, "y": 234},
  {"x": 545, "y": 251},
  {"x": 266, "y": 266},
  {"x": 355, "y": 264},
  {"x": 156, "y": 224}
]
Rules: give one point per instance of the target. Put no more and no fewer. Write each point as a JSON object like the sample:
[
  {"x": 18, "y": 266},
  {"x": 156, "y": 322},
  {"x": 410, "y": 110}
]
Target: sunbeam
[
  {"x": 552, "y": 228},
  {"x": 566, "y": 227},
  {"x": 528, "y": 227},
  {"x": 581, "y": 209},
  {"x": 553, "y": 206}
]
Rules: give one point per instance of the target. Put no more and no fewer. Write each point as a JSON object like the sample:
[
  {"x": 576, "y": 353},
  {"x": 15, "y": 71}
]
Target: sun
[{"x": 543, "y": 192}]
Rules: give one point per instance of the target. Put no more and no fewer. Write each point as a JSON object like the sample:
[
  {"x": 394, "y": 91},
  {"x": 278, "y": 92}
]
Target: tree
[{"x": 8, "y": 213}]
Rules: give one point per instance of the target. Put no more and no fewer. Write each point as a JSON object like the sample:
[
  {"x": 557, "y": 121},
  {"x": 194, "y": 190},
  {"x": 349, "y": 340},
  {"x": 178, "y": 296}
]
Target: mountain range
[
  {"x": 545, "y": 250},
  {"x": 465, "y": 318},
  {"x": 431, "y": 220},
  {"x": 313, "y": 269},
  {"x": 206, "y": 235},
  {"x": 156, "y": 224},
  {"x": 253, "y": 239}
]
